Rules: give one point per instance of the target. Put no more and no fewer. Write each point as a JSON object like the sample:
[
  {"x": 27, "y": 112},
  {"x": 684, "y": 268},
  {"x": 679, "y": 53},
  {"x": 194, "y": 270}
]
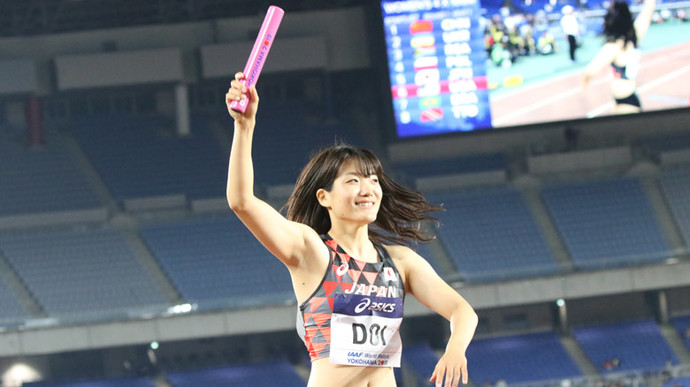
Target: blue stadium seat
[
  {"x": 518, "y": 359},
  {"x": 74, "y": 272},
  {"x": 140, "y": 157},
  {"x": 217, "y": 259},
  {"x": 267, "y": 374},
  {"x": 43, "y": 178},
  {"x": 638, "y": 345},
  {"x": 489, "y": 234},
  {"x": 606, "y": 223}
]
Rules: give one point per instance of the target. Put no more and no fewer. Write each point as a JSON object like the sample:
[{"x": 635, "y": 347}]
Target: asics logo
[
  {"x": 342, "y": 269},
  {"x": 366, "y": 303},
  {"x": 362, "y": 305}
]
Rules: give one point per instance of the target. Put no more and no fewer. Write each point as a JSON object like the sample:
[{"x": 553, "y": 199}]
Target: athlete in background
[
  {"x": 343, "y": 275},
  {"x": 621, "y": 52}
]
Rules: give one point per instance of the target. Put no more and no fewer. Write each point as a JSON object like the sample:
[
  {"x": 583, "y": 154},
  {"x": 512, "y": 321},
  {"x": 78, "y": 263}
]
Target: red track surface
[{"x": 663, "y": 83}]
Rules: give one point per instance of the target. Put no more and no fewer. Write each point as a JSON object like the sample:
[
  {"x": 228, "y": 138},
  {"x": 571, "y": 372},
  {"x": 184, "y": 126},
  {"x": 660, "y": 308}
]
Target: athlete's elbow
[
  {"x": 467, "y": 314},
  {"x": 236, "y": 202},
  {"x": 473, "y": 318}
]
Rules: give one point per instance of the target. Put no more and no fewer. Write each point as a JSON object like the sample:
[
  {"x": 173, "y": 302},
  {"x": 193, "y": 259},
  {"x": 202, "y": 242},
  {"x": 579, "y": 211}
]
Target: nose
[{"x": 367, "y": 188}]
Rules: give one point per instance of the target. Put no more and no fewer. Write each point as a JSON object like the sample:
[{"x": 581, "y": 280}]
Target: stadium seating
[
  {"x": 286, "y": 140},
  {"x": 606, "y": 223},
  {"x": 42, "y": 178},
  {"x": 678, "y": 382},
  {"x": 490, "y": 235},
  {"x": 10, "y": 308},
  {"x": 80, "y": 271},
  {"x": 638, "y": 345},
  {"x": 140, "y": 157},
  {"x": 458, "y": 165},
  {"x": 675, "y": 183},
  {"x": 521, "y": 358},
  {"x": 421, "y": 360},
  {"x": 217, "y": 259},
  {"x": 682, "y": 325},
  {"x": 255, "y": 375}
]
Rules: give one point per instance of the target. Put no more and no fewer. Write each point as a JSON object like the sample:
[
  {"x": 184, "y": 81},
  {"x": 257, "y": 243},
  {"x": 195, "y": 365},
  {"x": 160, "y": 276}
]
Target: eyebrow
[{"x": 358, "y": 174}]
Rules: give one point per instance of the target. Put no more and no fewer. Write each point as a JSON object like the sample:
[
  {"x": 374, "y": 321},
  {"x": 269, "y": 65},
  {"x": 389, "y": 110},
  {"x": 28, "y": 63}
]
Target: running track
[{"x": 661, "y": 84}]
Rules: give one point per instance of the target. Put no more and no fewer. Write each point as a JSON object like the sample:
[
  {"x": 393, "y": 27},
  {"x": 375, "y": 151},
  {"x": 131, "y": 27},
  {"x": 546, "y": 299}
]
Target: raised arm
[
  {"x": 644, "y": 19},
  {"x": 285, "y": 239},
  {"x": 434, "y": 293}
]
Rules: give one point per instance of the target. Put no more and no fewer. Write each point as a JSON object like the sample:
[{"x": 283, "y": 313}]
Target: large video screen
[{"x": 466, "y": 65}]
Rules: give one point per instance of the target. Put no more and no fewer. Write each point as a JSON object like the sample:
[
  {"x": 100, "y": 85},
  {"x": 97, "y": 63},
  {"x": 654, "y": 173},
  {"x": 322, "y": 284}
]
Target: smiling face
[{"x": 354, "y": 196}]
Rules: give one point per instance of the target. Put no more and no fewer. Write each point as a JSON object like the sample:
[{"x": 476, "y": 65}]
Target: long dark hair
[
  {"x": 619, "y": 23},
  {"x": 400, "y": 215}
]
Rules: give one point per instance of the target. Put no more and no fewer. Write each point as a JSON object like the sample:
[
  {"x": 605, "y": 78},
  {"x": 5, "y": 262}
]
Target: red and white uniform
[{"x": 354, "y": 315}]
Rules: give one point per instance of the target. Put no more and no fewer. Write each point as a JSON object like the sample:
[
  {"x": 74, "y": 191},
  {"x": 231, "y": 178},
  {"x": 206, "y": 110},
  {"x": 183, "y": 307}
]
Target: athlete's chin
[
  {"x": 365, "y": 220},
  {"x": 371, "y": 218}
]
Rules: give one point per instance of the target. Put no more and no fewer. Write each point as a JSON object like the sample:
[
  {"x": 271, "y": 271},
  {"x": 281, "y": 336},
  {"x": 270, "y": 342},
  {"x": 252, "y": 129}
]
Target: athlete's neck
[{"x": 355, "y": 242}]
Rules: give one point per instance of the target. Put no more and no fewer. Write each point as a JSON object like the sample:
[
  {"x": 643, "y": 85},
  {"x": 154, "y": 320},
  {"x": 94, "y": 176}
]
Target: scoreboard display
[{"x": 437, "y": 66}]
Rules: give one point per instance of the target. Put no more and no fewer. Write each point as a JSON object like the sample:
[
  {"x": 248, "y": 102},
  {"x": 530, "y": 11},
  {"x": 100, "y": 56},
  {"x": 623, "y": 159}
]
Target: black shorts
[{"x": 632, "y": 99}]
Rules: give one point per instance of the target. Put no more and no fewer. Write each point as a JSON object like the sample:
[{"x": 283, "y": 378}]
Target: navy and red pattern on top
[{"x": 345, "y": 274}]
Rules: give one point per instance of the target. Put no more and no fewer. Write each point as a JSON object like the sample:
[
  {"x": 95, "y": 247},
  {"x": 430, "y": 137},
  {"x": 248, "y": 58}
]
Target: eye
[
  {"x": 353, "y": 181},
  {"x": 374, "y": 179}
]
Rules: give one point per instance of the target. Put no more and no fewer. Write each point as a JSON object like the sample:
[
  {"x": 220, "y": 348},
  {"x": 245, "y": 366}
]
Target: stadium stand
[
  {"x": 606, "y": 223},
  {"x": 459, "y": 165},
  {"x": 41, "y": 178},
  {"x": 141, "y": 156},
  {"x": 10, "y": 308},
  {"x": 520, "y": 358},
  {"x": 452, "y": 173},
  {"x": 90, "y": 271},
  {"x": 287, "y": 139},
  {"x": 682, "y": 325},
  {"x": 675, "y": 183},
  {"x": 256, "y": 375},
  {"x": 420, "y": 359},
  {"x": 216, "y": 259},
  {"x": 484, "y": 232},
  {"x": 638, "y": 345},
  {"x": 678, "y": 382}
]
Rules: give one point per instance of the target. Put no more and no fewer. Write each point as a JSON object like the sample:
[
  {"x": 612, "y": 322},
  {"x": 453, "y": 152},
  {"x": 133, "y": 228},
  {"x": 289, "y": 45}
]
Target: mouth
[{"x": 365, "y": 204}]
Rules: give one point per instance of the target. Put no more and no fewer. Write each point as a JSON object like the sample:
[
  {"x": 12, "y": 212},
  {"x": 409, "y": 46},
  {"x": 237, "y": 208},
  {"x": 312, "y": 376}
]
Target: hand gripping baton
[{"x": 257, "y": 58}]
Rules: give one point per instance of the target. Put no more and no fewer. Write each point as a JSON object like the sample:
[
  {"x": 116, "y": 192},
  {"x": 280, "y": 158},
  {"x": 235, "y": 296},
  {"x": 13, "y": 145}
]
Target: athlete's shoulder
[{"x": 401, "y": 253}]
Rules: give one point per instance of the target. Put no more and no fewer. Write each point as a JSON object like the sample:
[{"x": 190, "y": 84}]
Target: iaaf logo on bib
[
  {"x": 375, "y": 306},
  {"x": 361, "y": 358}
]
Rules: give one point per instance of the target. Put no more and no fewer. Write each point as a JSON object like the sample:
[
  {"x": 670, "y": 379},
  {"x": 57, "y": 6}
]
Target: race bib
[{"x": 365, "y": 331}]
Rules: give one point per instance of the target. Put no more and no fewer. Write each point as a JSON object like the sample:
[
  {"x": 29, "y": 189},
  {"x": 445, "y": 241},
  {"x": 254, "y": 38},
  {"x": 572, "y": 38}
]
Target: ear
[{"x": 323, "y": 197}]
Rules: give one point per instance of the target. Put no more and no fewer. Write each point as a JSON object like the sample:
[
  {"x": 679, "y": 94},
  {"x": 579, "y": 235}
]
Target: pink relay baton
[{"x": 257, "y": 58}]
